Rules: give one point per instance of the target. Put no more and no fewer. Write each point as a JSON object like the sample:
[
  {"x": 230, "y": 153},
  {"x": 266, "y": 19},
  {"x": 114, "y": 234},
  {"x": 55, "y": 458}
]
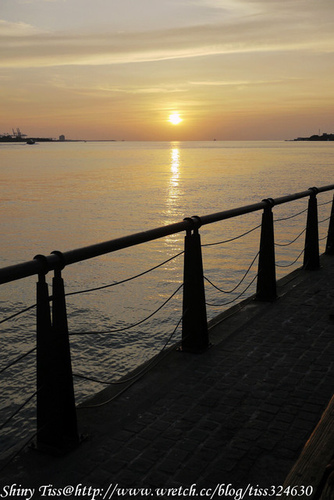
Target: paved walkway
[{"x": 238, "y": 414}]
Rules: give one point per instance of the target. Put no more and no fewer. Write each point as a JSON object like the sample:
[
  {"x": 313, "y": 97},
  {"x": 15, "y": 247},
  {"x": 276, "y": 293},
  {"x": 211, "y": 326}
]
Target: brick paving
[{"x": 238, "y": 414}]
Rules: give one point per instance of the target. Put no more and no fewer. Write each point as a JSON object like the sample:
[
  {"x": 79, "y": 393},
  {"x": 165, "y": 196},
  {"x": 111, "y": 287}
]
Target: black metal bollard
[
  {"x": 330, "y": 237},
  {"x": 266, "y": 280},
  {"x": 44, "y": 334},
  {"x": 195, "y": 336},
  {"x": 311, "y": 252},
  {"x": 57, "y": 431},
  {"x": 66, "y": 411}
]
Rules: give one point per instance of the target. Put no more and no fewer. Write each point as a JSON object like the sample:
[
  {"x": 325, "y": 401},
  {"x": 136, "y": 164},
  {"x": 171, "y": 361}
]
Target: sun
[{"x": 175, "y": 118}]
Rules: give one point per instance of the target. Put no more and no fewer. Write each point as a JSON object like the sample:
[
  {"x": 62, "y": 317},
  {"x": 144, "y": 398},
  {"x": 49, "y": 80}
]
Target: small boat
[{"x": 31, "y": 141}]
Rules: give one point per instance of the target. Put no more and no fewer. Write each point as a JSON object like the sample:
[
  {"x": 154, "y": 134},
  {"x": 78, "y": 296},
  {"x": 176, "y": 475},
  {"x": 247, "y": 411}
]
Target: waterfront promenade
[{"x": 239, "y": 414}]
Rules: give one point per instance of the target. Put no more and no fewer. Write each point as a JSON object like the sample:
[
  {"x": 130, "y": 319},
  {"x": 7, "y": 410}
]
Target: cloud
[
  {"x": 236, "y": 83},
  {"x": 273, "y": 28},
  {"x": 231, "y": 8},
  {"x": 20, "y": 30},
  {"x": 23, "y": 2}
]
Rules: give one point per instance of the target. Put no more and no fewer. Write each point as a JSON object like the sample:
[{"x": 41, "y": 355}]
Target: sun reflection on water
[
  {"x": 173, "y": 188},
  {"x": 174, "y": 195},
  {"x": 175, "y": 163}
]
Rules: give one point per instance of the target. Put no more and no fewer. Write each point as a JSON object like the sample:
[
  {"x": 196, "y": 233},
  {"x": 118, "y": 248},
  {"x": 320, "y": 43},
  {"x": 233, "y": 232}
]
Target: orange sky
[{"x": 232, "y": 69}]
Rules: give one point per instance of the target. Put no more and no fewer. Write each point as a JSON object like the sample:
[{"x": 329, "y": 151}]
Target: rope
[
  {"x": 18, "y": 359},
  {"x": 292, "y": 263},
  {"x": 236, "y": 298},
  {"x": 233, "y": 289},
  {"x": 91, "y": 379},
  {"x": 325, "y": 203},
  {"x": 290, "y": 243},
  {"x": 17, "y": 314},
  {"x": 324, "y": 220},
  {"x": 135, "y": 324},
  {"x": 232, "y": 239},
  {"x": 126, "y": 279},
  {"x": 291, "y": 216},
  {"x": 97, "y": 288},
  {"x": 18, "y": 410},
  {"x": 136, "y": 377}
]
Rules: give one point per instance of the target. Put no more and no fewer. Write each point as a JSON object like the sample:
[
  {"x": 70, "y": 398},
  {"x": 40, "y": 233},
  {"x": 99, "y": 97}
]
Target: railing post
[
  {"x": 195, "y": 336},
  {"x": 330, "y": 237},
  {"x": 57, "y": 430},
  {"x": 311, "y": 252},
  {"x": 266, "y": 280},
  {"x": 43, "y": 333},
  {"x": 66, "y": 412}
]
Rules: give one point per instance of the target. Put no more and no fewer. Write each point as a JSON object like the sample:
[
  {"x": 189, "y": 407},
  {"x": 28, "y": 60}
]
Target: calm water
[{"x": 63, "y": 196}]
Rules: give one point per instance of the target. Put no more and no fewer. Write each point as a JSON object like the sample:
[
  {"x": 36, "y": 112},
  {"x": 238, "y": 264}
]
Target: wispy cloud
[
  {"x": 222, "y": 60},
  {"x": 23, "y": 2},
  {"x": 91, "y": 89},
  {"x": 244, "y": 26},
  {"x": 10, "y": 30},
  {"x": 23, "y": 46}
]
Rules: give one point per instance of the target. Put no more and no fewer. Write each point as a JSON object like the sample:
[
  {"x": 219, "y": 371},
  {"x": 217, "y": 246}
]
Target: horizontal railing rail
[
  {"x": 56, "y": 413},
  {"x": 56, "y": 259}
]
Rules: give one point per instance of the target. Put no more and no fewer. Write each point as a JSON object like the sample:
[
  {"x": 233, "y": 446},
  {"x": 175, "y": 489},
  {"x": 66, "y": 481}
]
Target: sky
[{"x": 117, "y": 69}]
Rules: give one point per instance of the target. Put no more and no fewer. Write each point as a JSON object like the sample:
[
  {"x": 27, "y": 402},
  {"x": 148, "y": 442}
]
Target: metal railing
[{"x": 57, "y": 429}]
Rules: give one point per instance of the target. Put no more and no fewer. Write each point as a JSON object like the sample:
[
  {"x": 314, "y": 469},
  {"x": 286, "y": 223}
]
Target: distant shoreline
[
  {"x": 10, "y": 140},
  {"x": 16, "y": 140},
  {"x": 323, "y": 137}
]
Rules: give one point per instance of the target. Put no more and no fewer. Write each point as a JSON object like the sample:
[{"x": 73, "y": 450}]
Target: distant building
[{"x": 62, "y": 138}]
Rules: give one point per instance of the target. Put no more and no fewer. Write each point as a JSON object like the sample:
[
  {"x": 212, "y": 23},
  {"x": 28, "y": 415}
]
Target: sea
[{"x": 66, "y": 195}]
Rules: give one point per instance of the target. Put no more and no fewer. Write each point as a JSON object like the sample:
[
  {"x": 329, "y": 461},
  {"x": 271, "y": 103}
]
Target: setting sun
[{"x": 175, "y": 118}]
